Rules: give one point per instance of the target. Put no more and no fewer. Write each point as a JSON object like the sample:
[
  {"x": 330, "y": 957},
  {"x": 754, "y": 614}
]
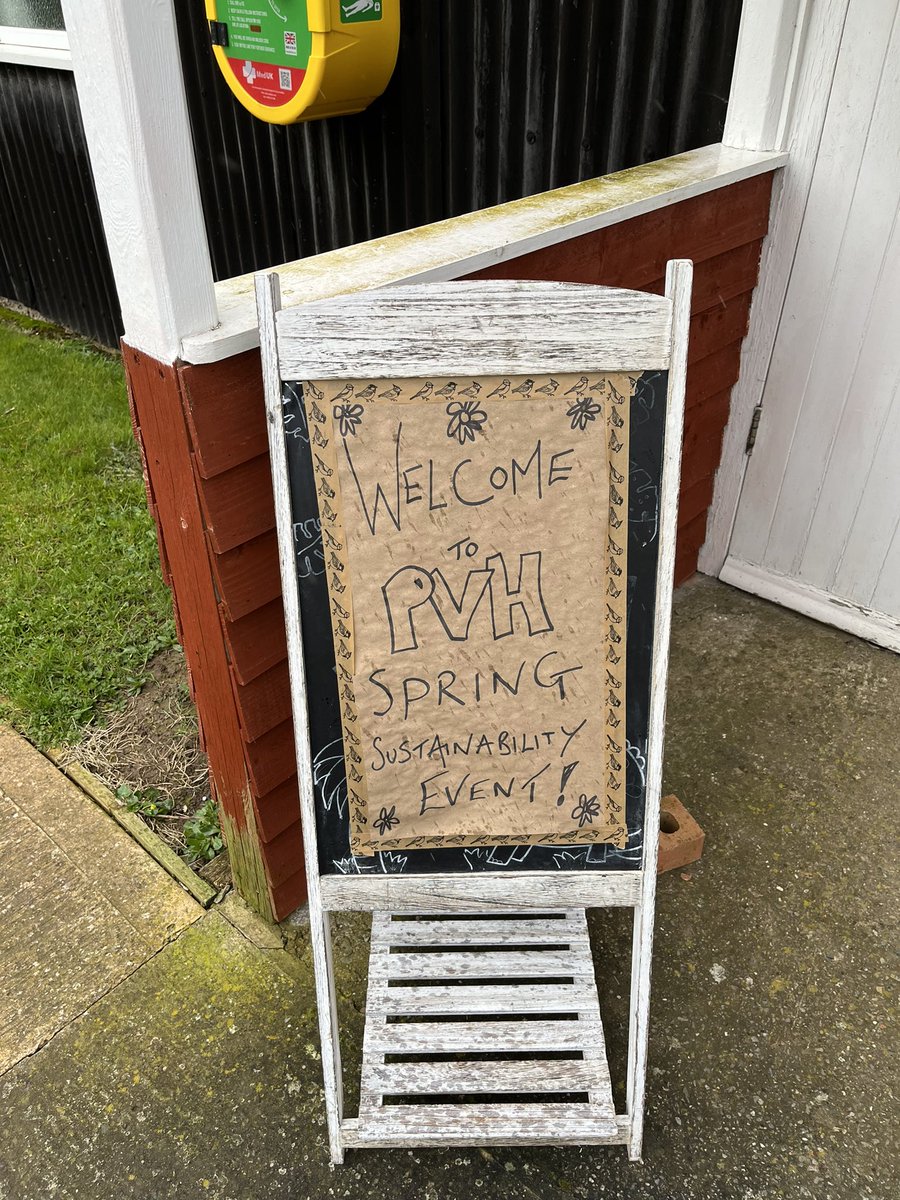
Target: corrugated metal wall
[
  {"x": 491, "y": 100},
  {"x": 53, "y": 254}
]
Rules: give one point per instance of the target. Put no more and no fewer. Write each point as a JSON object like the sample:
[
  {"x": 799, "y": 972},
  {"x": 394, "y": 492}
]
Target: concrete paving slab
[
  {"x": 114, "y": 863},
  {"x": 81, "y": 904},
  {"x": 197, "y": 1076},
  {"x": 61, "y": 945}
]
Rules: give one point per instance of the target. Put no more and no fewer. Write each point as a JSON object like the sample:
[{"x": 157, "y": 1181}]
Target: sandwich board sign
[{"x": 476, "y": 487}]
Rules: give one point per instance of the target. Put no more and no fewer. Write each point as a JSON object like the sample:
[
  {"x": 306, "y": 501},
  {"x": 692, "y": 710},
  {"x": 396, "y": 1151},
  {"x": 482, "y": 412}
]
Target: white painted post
[
  {"x": 816, "y": 41},
  {"x": 128, "y": 75},
  {"x": 762, "y": 77}
]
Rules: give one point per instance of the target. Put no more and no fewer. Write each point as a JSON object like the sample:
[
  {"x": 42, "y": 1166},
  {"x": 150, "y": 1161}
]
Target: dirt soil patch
[{"x": 147, "y": 751}]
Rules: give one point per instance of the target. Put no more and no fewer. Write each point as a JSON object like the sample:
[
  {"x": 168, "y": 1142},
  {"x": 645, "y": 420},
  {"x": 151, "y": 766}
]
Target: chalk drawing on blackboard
[
  {"x": 495, "y": 856},
  {"x": 329, "y": 780},
  {"x": 293, "y": 414},
  {"x": 308, "y": 547},
  {"x": 643, "y": 517}
]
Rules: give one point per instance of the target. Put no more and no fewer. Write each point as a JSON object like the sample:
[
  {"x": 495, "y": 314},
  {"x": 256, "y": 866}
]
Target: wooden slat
[
  {"x": 272, "y": 759},
  {"x": 390, "y": 920},
  {"x": 473, "y": 933},
  {"x": 699, "y": 230},
  {"x": 703, "y": 430},
  {"x": 148, "y": 488},
  {"x": 714, "y": 374},
  {"x": 247, "y": 577},
  {"x": 434, "y": 1078},
  {"x": 721, "y": 279},
  {"x": 278, "y": 809},
  {"x": 523, "y": 1124},
  {"x": 703, "y": 461},
  {"x": 678, "y": 286},
  {"x": 237, "y": 504},
  {"x": 265, "y": 701},
  {"x": 503, "y": 890},
  {"x": 584, "y": 1071},
  {"x": 225, "y": 412},
  {"x": 268, "y": 302},
  {"x": 695, "y": 500},
  {"x": 256, "y": 642},
  {"x": 485, "y": 998},
  {"x": 428, "y": 329},
  {"x": 288, "y": 896},
  {"x": 476, "y": 964},
  {"x": 476, "y": 1036},
  {"x": 690, "y": 539},
  {"x": 284, "y": 854},
  {"x": 718, "y": 326}
]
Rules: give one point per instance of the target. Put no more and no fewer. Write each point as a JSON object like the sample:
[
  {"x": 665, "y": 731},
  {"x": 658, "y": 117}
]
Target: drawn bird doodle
[{"x": 578, "y": 389}]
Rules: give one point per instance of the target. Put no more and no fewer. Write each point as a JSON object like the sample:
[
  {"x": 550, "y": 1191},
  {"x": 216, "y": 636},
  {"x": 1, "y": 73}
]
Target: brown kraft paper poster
[{"x": 474, "y": 536}]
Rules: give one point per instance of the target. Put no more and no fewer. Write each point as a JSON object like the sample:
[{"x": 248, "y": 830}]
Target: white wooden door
[{"x": 818, "y": 522}]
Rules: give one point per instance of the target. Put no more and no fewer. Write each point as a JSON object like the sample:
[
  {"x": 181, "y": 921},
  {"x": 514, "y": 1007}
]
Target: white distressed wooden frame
[{"x": 520, "y": 325}]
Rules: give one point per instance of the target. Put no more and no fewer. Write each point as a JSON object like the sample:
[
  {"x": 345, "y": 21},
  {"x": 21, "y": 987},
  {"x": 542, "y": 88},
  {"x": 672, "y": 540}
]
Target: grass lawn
[{"x": 82, "y": 603}]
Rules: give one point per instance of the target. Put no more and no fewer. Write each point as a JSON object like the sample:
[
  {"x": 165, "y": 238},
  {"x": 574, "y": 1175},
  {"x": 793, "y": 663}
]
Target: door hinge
[
  {"x": 218, "y": 33},
  {"x": 754, "y": 426}
]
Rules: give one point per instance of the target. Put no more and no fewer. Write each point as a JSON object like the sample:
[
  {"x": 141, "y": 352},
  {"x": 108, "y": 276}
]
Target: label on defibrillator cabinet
[
  {"x": 353, "y": 11},
  {"x": 269, "y": 44}
]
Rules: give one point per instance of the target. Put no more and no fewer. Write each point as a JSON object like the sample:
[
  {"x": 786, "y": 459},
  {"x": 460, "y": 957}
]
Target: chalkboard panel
[{"x": 645, "y": 450}]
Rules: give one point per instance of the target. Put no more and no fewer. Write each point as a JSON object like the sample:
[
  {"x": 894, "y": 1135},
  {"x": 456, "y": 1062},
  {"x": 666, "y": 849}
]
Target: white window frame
[{"x": 35, "y": 47}]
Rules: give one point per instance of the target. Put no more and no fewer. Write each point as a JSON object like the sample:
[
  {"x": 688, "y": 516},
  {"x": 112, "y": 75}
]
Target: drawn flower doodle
[
  {"x": 348, "y": 417},
  {"x": 583, "y": 411},
  {"x": 387, "y": 819},
  {"x": 585, "y": 810},
  {"x": 466, "y": 419}
]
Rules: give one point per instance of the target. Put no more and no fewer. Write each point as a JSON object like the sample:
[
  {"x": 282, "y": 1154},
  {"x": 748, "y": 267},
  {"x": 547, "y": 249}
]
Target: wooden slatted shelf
[{"x": 482, "y": 1029}]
